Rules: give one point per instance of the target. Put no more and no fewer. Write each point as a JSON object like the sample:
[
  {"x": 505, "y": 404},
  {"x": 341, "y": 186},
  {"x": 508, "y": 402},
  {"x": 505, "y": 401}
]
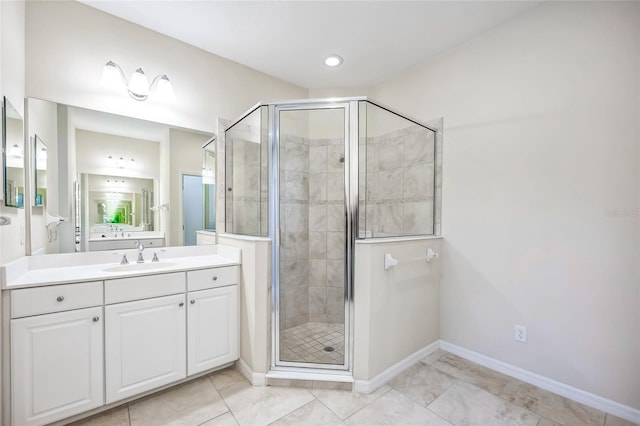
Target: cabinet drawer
[
  {"x": 136, "y": 288},
  {"x": 56, "y": 298},
  {"x": 211, "y": 278}
]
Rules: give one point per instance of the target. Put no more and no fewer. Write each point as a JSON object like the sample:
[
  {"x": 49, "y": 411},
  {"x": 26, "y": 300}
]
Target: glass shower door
[{"x": 311, "y": 284}]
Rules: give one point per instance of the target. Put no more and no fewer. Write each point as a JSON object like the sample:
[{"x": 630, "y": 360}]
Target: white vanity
[{"x": 86, "y": 332}]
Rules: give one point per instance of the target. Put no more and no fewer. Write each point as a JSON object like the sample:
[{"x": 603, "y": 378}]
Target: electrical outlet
[{"x": 521, "y": 333}]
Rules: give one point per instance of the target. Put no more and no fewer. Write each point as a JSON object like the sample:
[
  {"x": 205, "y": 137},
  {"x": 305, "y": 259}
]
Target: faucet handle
[
  {"x": 155, "y": 255},
  {"x": 124, "y": 260},
  {"x": 139, "y": 245}
]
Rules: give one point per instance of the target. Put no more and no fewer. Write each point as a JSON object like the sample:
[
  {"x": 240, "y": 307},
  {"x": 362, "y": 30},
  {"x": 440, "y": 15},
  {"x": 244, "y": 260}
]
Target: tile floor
[
  {"x": 442, "y": 389},
  {"x": 307, "y": 343}
]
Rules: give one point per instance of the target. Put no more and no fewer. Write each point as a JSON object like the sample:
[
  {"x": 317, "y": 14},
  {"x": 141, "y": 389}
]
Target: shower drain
[{"x": 329, "y": 349}]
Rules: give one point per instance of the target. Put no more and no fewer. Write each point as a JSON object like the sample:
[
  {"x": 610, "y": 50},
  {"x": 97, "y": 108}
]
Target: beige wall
[
  {"x": 44, "y": 123},
  {"x": 68, "y": 43},
  {"x": 541, "y": 191},
  {"x": 396, "y": 311},
  {"x": 255, "y": 300}
]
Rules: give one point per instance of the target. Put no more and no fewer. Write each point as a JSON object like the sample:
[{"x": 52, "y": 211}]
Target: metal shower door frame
[{"x": 351, "y": 141}]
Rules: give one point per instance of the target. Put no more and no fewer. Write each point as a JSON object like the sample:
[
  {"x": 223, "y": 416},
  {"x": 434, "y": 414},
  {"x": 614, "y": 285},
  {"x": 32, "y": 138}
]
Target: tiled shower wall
[
  {"x": 326, "y": 230},
  {"x": 400, "y": 183},
  {"x": 312, "y": 231},
  {"x": 294, "y": 231}
]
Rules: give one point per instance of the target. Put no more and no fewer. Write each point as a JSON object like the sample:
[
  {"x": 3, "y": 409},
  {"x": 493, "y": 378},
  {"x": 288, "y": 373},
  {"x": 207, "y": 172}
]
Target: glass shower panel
[
  {"x": 399, "y": 159},
  {"x": 312, "y": 237},
  {"x": 246, "y": 175}
]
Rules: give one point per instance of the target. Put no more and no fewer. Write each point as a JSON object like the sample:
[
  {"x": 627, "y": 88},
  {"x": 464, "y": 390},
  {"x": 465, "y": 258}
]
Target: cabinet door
[
  {"x": 56, "y": 365},
  {"x": 145, "y": 345},
  {"x": 213, "y": 328}
]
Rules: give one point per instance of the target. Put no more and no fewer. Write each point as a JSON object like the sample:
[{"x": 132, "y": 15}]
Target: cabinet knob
[
  {"x": 193, "y": 301},
  {"x": 96, "y": 319},
  {"x": 181, "y": 304},
  {"x": 215, "y": 278},
  {"x": 60, "y": 298}
]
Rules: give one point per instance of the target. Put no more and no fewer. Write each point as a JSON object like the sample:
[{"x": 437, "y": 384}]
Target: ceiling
[{"x": 290, "y": 39}]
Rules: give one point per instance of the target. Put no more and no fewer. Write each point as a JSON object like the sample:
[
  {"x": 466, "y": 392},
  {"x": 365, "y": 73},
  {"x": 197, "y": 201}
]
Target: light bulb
[
  {"x": 139, "y": 85},
  {"x": 111, "y": 76},
  {"x": 164, "y": 89}
]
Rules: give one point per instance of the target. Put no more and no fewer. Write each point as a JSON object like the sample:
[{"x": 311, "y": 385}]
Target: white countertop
[{"x": 81, "y": 267}]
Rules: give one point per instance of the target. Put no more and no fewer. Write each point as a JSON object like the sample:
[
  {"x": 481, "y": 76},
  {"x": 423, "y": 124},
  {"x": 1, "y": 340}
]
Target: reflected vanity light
[
  {"x": 15, "y": 151},
  {"x": 121, "y": 163},
  {"x": 138, "y": 86}
]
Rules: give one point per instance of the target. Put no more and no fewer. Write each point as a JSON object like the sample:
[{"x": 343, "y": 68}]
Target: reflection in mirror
[
  {"x": 40, "y": 167},
  {"x": 117, "y": 212},
  {"x": 81, "y": 143},
  {"x": 209, "y": 182},
  {"x": 13, "y": 147}
]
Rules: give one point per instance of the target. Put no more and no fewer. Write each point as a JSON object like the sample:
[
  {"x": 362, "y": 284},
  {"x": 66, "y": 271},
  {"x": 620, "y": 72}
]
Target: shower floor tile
[{"x": 307, "y": 343}]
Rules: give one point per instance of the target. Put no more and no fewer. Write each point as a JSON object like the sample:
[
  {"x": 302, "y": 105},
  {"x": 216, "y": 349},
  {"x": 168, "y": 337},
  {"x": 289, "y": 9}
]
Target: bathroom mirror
[
  {"x": 13, "y": 158},
  {"x": 82, "y": 143},
  {"x": 40, "y": 171}
]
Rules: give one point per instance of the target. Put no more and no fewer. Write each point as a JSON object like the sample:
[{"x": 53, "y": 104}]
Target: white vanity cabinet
[
  {"x": 213, "y": 323},
  {"x": 213, "y": 316},
  {"x": 56, "y": 358},
  {"x": 78, "y": 346},
  {"x": 145, "y": 340}
]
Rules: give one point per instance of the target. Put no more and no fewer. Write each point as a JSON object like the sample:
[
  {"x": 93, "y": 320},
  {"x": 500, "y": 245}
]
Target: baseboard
[
  {"x": 256, "y": 379},
  {"x": 608, "y": 406},
  {"x": 368, "y": 386}
]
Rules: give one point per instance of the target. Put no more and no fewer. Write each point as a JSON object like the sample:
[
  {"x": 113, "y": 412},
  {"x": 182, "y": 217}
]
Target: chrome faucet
[{"x": 140, "y": 248}]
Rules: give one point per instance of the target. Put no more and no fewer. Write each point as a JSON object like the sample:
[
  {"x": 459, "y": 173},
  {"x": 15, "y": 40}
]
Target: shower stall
[{"x": 316, "y": 176}]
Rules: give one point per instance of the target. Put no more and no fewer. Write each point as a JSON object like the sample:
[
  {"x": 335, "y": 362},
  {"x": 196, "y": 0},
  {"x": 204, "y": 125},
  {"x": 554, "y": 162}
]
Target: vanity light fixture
[
  {"x": 15, "y": 151},
  {"x": 333, "y": 60},
  {"x": 138, "y": 86},
  {"x": 121, "y": 163}
]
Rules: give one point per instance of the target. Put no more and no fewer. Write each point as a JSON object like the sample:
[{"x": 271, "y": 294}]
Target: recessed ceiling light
[{"x": 333, "y": 60}]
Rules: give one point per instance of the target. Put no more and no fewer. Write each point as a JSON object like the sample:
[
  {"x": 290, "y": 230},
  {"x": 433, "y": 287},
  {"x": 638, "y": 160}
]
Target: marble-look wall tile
[
  {"x": 390, "y": 184},
  {"x": 317, "y": 272},
  {"x": 372, "y": 186},
  {"x": 317, "y": 245},
  {"x": 335, "y": 186},
  {"x": 372, "y": 164},
  {"x": 296, "y": 185},
  {"x": 317, "y": 300},
  {"x": 390, "y": 155},
  {"x": 295, "y": 218},
  {"x": 294, "y": 245},
  {"x": 335, "y": 245},
  {"x": 390, "y": 218},
  {"x": 318, "y": 187},
  {"x": 294, "y": 273},
  {"x": 318, "y": 218},
  {"x": 317, "y": 159},
  {"x": 297, "y": 301},
  {"x": 334, "y": 154},
  {"x": 418, "y": 147},
  {"x": 418, "y": 218},
  {"x": 335, "y": 217},
  {"x": 335, "y": 273},
  {"x": 418, "y": 181},
  {"x": 335, "y": 295},
  {"x": 296, "y": 157}
]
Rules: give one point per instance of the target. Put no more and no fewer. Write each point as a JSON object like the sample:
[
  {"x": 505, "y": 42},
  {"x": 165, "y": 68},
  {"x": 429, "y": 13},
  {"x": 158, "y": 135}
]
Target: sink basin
[{"x": 134, "y": 267}]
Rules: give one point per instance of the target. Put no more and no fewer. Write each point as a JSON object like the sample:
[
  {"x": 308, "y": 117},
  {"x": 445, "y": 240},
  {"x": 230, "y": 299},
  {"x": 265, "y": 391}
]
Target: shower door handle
[{"x": 278, "y": 239}]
